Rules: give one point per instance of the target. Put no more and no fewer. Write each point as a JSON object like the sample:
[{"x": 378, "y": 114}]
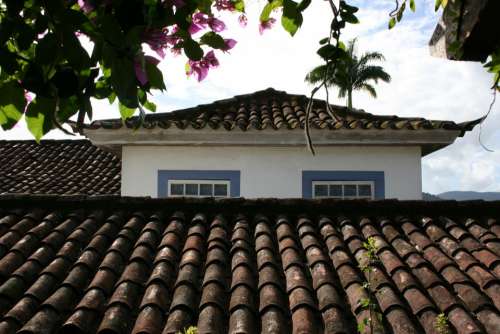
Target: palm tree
[{"x": 352, "y": 74}]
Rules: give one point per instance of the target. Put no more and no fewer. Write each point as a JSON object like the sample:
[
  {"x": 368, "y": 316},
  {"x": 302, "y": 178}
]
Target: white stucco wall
[{"x": 272, "y": 171}]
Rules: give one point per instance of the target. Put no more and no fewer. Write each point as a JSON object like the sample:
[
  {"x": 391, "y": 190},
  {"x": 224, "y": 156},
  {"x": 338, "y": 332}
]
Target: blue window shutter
[
  {"x": 233, "y": 176},
  {"x": 309, "y": 176}
]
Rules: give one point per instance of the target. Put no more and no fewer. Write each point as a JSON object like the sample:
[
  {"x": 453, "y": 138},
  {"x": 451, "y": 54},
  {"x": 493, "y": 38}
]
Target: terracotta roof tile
[
  {"x": 153, "y": 266},
  {"x": 57, "y": 167},
  {"x": 272, "y": 109}
]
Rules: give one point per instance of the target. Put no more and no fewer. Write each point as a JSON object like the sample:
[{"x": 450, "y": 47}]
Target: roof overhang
[
  {"x": 428, "y": 140},
  {"x": 470, "y": 26}
]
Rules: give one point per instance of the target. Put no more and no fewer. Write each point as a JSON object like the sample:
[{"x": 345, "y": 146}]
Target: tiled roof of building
[
  {"x": 118, "y": 265},
  {"x": 57, "y": 167},
  {"x": 271, "y": 109}
]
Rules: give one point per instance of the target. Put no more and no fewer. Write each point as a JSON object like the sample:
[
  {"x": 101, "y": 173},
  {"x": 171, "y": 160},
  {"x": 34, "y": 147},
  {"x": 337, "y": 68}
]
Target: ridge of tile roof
[
  {"x": 58, "y": 167},
  {"x": 79, "y": 264},
  {"x": 273, "y": 109}
]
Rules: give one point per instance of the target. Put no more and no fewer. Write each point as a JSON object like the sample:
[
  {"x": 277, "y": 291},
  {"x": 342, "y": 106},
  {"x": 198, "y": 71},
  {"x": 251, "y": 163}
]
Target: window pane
[
  {"x": 320, "y": 190},
  {"x": 220, "y": 190},
  {"x": 191, "y": 189},
  {"x": 336, "y": 190},
  {"x": 365, "y": 190},
  {"x": 206, "y": 190},
  {"x": 349, "y": 190},
  {"x": 177, "y": 189}
]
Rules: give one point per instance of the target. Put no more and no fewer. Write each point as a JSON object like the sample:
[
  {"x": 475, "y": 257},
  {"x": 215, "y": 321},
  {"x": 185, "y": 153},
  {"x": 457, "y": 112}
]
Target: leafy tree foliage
[
  {"x": 352, "y": 73},
  {"x": 49, "y": 76}
]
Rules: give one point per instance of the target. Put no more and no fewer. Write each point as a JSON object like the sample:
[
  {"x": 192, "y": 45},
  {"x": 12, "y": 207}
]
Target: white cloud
[{"x": 421, "y": 85}]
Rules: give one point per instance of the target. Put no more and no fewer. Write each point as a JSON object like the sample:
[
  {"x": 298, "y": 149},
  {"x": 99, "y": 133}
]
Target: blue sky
[{"x": 421, "y": 85}]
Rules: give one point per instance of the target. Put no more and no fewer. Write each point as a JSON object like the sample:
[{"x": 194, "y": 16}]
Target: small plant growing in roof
[
  {"x": 441, "y": 324},
  {"x": 367, "y": 266},
  {"x": 189, "y": 330}
]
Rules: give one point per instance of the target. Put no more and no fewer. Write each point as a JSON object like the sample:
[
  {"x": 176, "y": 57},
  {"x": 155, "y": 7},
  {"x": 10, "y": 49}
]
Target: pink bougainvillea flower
[
  {"x": 264, "y": 25},
  {"x": 160, "y": 39},
  {"x": 194, "y": 28},
  {"x": 243, "y": 20},
  {"x": 201, "y": 21},
  {"x": 140, "y": 70},
  {"x": 211, "y": 59},
  {"x": 224, "y": 5},
  {"x": 86, "y": 6},
  {"x": 229, "y": 44},
  {"x": 28, "y": 96},
  {"x": 216, "y": 24},
  {"x": 200, "y": 68}
]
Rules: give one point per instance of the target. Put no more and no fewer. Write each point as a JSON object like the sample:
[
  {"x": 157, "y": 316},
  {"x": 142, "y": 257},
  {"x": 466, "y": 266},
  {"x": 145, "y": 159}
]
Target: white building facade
[{"x": 219, "y": 150}]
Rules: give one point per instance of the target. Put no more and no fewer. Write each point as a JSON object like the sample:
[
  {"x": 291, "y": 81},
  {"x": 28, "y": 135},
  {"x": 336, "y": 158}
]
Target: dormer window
[
  {"x": 198, "y": 188},
  {"x": 343, "y": 184},
  {"x": 199, "y": 183},
  {"x": 344, "y": 189}
]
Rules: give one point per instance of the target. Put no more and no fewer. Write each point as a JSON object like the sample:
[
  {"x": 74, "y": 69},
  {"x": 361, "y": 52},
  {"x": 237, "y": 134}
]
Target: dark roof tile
[
  {"x": 277, "y": 110},
  {"x": 128, "y": 270},
  {"x": 57, "y": 167}
]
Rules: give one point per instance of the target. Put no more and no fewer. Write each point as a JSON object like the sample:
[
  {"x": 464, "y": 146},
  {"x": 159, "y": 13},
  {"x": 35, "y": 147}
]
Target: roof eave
[{"x": 429, "y": 140}]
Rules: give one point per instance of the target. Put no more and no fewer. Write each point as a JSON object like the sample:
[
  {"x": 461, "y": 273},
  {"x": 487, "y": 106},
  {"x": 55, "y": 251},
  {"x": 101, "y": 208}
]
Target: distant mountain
[
  {"x": 470, "y": 195},
  {"x": 430, "y": 197}
]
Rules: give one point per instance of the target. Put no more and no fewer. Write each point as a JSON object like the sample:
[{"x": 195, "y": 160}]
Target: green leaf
[
  {"x": 39, "y": 116},
  {"x": 401, "y": 12},
  {"x": 213, "y": 40},
  {"x": 205, "y": 6},
  {"x": 102, "y": 89},
  {"x": 25, "y": 36},
  {"x": 412, "y": 5},
  {"x": 47, "y": 50},
  {"x": 123, "y": 81},
  {"x": 331, "y": 52},
  {"x": 303, "y": 5},
  {"x": 112, "y": 97},
  {"x": 192, "y": 49},
  {"x": 239, "y": 5},
  {"x": 155, "y": 77},
  {"x": 266, "y": 11},
  {"x": 349, "y": 17},
  {"x": 324, "y": 40},
  {"x": 125, "y": 111},
  {"x": 74, "y": 52},
  {"x": 67, "y": 108},
  {"x": 437, "y": 4},
  {"x": 348, "y": 8},
  {"x": 112, "y": 30},
  {"x": 150, "y": 106},
  {"x": 291, "y": 19},
  {"x": 12, "y": 103},
  {"x": 392, "y": 22}
]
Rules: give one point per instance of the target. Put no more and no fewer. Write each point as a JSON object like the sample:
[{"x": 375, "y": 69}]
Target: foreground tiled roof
[
  {"x": 57, "y": 167},
  {"x": 271, "y": 109},
  {"x": 118, "y": 265}
]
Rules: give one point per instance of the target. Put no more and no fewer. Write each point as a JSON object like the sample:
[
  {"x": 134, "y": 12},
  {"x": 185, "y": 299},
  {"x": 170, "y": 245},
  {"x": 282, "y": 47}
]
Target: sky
[{"x": 421, "y": 86}]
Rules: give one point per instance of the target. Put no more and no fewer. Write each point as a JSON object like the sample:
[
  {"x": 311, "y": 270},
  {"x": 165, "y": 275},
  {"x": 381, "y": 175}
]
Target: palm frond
[
  {"x": 370, "y": 89},
  {"x": 369, "y": 57},
  {"x": 368, "y": 73}
]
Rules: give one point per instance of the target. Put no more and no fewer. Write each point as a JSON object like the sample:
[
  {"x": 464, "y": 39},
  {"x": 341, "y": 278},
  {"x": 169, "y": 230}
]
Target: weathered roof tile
[
  {"x": 131, "y": 270},
  {"x": 57, "y": 167}
]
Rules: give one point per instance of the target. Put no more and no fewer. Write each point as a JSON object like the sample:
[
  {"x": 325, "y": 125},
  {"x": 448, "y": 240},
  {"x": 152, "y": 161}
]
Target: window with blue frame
[
  {"x": 198, "y": 183},
  {"x": 343, "y": 184}
]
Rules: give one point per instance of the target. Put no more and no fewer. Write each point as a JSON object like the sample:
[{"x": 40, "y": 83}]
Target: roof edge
[{"x": 239, "y": 205}]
